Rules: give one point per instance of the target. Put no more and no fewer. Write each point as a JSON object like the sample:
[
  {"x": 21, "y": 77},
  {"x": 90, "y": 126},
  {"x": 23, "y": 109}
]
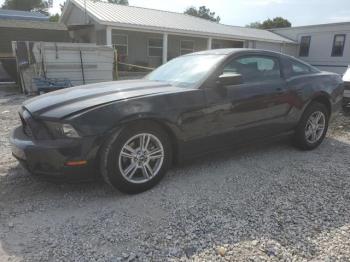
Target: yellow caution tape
[{"x": 137, "y": 66}]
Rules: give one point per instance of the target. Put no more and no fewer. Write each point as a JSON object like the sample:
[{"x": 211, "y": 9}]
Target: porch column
[
  {"x": 109, "y": 36},
  {"x": 165, "y": 48},
  {"x": 210, "y": 40}
]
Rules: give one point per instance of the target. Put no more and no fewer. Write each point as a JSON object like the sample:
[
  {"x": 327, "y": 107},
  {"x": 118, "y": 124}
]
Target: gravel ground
[{"x": 265, "y": 202}]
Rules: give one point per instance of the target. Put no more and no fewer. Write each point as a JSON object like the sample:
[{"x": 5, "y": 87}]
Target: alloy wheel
[
  {"x": 315, "y": 127},
  {"x": 141, "y": 158}
]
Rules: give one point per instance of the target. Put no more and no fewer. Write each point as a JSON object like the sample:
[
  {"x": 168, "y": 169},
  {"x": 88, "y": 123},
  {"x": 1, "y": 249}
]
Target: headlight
[
  {"x": 61, "y": 130},
  {"x": 69, "y": 131}
]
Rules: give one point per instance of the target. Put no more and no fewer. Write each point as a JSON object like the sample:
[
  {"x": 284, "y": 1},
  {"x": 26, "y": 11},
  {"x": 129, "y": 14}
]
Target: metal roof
[
  {"x": 158, "y": 20},
  {"x": 22, "y": 15},
  {"x": 312, "y": 26},
  {"x": 44, "y": 25},
  {"x": 229, "y": 51}
]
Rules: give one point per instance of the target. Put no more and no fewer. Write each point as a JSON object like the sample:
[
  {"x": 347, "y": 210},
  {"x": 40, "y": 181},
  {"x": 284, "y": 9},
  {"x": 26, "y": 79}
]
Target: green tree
[
  {"x": 54, "y": 18},
  {"x": 25, "y": 5},
  {"x": 202, "y": 12},
  {"x": 255, "y": 25},
  {"x": 277, "y": 22},
  {"x": 119, "y": 2}
]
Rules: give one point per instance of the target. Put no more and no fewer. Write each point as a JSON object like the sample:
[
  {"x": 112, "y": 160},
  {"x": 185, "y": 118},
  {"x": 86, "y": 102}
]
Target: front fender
[{"x": 111, "y": 117}]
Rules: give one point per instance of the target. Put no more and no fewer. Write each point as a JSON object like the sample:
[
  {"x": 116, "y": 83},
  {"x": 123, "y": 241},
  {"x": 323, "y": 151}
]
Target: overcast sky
[{"x": 242, "y": 12}]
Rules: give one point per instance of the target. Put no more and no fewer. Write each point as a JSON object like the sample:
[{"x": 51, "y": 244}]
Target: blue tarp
[{"x": 22, "y": 15}]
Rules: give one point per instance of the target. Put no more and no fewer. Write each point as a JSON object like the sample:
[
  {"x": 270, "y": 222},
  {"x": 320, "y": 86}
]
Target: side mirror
[{"x": 230, "y": 79}]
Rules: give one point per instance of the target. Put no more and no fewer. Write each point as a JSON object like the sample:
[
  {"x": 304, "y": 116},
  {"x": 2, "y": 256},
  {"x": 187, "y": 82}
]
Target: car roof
[{"x": 242, "y": 51}]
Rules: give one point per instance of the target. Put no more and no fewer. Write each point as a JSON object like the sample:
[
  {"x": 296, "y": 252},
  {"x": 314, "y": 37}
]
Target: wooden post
[
  {"x": 19, "y": 73},
  {"x": 116, "y": 75},
  {"x": 42, "y": 50},
  {"x": 82, "y": 66}
]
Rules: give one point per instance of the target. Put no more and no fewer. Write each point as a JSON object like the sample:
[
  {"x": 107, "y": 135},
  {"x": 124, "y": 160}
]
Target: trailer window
[
  {"x": 304, "y": 46},
  {"x": 338, "y": 45}
]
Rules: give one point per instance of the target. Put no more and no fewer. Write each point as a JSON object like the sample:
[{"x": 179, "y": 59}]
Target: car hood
[{"x": 59, "y": 104}]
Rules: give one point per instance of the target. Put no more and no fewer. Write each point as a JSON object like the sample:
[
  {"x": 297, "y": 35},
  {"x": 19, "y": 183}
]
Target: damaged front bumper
[{"x": 49, "y": 158}]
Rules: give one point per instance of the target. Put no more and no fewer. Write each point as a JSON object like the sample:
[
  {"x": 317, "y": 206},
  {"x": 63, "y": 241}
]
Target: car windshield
[{"x": 186, "y": 71}]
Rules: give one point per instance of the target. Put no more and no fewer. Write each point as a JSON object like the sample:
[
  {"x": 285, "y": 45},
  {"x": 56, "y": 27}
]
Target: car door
[{"x": 254, "y": 108}]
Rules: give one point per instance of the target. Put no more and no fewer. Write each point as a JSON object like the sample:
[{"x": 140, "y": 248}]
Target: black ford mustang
[{"x": 132, "y": 131}]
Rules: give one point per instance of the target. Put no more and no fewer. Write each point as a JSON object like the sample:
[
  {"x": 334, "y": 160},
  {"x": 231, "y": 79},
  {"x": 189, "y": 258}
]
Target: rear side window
[
  {"x": 295, "y": 68},
  {"x": 254, "y": 68},
  {"x": 299, "y": 68}
]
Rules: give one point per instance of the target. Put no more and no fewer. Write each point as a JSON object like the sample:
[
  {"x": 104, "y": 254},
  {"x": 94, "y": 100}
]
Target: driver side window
[{"x": 254, "y": 68}]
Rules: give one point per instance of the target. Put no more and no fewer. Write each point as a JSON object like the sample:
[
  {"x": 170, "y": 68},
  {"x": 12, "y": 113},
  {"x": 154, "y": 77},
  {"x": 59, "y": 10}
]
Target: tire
[
  {"x": 141, "y": 163},
  {"x": 302, "y": 138}
]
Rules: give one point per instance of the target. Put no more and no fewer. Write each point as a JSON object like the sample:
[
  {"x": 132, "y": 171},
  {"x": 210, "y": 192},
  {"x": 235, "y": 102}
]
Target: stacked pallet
[{"x": 77, "y": 63}]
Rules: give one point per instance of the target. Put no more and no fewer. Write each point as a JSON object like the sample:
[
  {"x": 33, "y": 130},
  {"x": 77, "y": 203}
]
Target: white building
[
  {"x": 150, "y": 37},
  {"x": 326, "y": 46}
]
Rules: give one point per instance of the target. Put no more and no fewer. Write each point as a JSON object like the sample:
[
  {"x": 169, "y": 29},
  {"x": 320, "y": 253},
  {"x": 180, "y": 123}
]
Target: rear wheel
[
  {"x": 137, "y": 158},
  {"x": 312, "y": 127}
]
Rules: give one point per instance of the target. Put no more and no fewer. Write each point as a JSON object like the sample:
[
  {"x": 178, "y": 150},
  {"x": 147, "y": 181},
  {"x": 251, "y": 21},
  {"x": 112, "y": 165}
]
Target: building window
[
  {"x": 120, "y": 43},
  {"x": 338, "y": 45},
  {"x": 186, "y": 47},
  {"x": 155, "y": 47},
  {"x": 304, "y": 46}
]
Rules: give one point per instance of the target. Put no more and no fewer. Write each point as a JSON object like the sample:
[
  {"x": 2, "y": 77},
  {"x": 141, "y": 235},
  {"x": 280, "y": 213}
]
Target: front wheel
[
  {"x": 137, "y": 158},
  {"x": 312, "y": 127}
]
